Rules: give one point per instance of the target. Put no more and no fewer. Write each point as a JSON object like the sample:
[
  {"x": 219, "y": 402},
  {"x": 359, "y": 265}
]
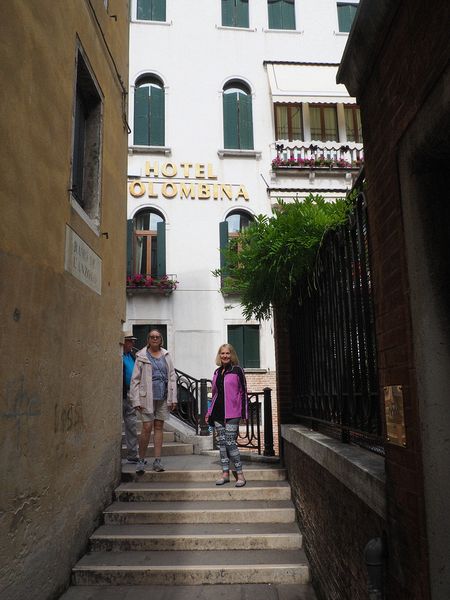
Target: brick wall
[
  {"x": 336, "y": 526},
  {"x": 256, "y": 382},
  {"x": 410, "y": 62}
]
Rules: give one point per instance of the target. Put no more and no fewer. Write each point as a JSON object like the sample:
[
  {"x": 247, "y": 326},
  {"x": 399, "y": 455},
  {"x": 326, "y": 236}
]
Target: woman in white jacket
[{"x": 153, "y": 393}]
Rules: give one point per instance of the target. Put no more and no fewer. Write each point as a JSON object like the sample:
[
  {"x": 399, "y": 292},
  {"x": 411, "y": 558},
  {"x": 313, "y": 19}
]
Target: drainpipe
[{"x": 374, "y": 558}]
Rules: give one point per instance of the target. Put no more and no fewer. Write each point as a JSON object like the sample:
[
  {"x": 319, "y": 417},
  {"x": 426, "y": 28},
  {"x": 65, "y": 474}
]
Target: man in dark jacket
[{"x": 128, "y": 412}]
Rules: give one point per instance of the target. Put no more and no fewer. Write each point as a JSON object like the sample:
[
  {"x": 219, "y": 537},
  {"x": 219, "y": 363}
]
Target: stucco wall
[{"x": 59, "y": 339}]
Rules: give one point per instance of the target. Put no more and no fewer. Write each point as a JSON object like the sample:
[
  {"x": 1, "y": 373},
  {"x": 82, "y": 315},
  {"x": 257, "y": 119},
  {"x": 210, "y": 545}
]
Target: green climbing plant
[{"x": 267, "y": 259}]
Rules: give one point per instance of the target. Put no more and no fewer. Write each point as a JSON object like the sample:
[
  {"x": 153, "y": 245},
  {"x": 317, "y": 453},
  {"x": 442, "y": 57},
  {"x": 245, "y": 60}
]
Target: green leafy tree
[{"x": 267, "y": 260}]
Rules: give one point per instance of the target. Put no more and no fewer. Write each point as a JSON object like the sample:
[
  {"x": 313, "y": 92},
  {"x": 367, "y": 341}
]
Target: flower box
[{"x": 141, "y": 284}]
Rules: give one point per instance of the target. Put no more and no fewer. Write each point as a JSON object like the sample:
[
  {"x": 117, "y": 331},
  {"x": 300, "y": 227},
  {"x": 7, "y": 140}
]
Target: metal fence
[
  {"x": 192, "y": 396},
  {"x": 334, "y": 352}
]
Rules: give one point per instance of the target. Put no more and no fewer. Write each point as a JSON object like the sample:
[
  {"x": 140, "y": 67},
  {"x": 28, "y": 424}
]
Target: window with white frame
[
  {"x": 146, "y": 246},
  {"x": 245, "y": 340},
  {"x": 288, "y": 121},
  {"x": 237, "y": 116},
  {"x": 353, "y": 123},
  {"x": 235, "y": 13},
  {"x": 149, "y": 112},
  {"x": 281, "y": 14},
  {"x": 323, "y": 122},
  {"x": 151, "y": 10}
]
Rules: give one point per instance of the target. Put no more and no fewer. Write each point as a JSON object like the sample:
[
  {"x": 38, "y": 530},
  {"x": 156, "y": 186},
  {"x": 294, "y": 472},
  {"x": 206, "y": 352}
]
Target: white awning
[{"x": 306, "y": 83}]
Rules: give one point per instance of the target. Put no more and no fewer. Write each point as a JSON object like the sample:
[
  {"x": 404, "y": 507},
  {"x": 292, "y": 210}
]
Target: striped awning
[{"x": 302, "y": 82}]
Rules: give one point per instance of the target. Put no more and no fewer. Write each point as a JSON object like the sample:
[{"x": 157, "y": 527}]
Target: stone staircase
[{"x": 177, "y": 535}]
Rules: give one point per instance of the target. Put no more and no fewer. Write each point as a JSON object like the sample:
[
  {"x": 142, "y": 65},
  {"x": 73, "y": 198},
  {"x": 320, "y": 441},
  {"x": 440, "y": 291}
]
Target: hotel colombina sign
[{"x": 187, "y": 181}]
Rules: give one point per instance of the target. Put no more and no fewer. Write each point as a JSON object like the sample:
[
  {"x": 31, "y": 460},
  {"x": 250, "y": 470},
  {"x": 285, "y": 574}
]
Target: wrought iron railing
[
  {"x": 334, "y": 339},
  {"x": 192, "y": 396},
  {"x": 297, "y": 153}
]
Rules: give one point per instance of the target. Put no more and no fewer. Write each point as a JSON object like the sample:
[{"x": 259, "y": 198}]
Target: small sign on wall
[
  {"x": 82, "y": 262},
  {"x": 395, "y": 418}
]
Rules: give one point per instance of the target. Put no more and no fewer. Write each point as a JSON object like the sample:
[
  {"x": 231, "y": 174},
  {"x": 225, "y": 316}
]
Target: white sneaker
[
  {"x": 157, "y": 466},
  {"x": 140, "y": 466}
]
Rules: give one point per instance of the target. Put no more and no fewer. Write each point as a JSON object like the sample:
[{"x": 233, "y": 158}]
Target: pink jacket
[{"x": 235, "y": 392}]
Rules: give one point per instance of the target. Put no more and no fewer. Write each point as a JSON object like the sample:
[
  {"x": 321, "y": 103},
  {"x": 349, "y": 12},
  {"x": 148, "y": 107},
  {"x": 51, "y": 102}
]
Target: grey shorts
[{"x": 161, "y": 411}]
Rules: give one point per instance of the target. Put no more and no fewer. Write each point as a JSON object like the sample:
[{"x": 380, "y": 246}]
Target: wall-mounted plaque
[
  {"x": 82, "y": 262},
  {"x": 395, "y": 419}
]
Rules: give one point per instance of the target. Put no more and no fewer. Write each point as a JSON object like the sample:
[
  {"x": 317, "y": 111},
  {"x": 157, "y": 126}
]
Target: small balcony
[
  {"x": 324, "y": 156},
  {"x": 146, "y": 284}
]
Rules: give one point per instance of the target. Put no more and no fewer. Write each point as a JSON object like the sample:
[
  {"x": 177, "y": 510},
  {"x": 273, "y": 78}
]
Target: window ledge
[
  {"x": 235, "y": 28},
  {"x": 167, "y": 150},
  {"x": 223, "y": 153},
  {"x": 255, "y": 370},
  {"x": 341, "y": 33},
  {"x": 361, "y": 471},
  {"x": 295, "y": 31},
  {"x": 133, "y": 290},
  {"x": 86, "y": 218},
  {"x": 148, "y": 22}
]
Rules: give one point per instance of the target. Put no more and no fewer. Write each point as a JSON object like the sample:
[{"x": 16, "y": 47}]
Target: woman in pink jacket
[{"x": 229, "y": 405}]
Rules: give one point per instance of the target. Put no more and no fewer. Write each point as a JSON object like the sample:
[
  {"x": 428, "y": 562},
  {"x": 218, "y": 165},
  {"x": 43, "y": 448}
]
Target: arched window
[
  {"x": 237, "y": 116},
  {"x": 149, "y": 113},
  {"x": 147, "y": 244},
  {"x": 237, "y": 221},
  {"x": 234, "y": 224}
]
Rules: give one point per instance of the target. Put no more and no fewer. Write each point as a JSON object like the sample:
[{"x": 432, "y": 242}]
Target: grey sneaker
[
  {"x": 157, "y": 466},
  {"x": 140, "y": 466}
]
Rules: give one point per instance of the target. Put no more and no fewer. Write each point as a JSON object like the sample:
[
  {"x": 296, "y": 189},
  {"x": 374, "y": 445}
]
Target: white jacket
[{"x": 141, "y": 387}]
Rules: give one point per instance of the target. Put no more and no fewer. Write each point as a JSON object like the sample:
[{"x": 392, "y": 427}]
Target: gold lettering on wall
[
  {"x": 187, "y": 190},
  {"x": 137, "y": 189},
  {"x": 169, "y": 170},
  {"x": 169, "y": 190},
  {"x": 156, "y": 174}
]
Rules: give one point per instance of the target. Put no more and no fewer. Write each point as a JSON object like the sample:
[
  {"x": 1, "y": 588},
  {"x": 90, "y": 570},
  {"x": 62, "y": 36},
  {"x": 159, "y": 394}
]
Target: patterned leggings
[{"x": 227, "y": 436}]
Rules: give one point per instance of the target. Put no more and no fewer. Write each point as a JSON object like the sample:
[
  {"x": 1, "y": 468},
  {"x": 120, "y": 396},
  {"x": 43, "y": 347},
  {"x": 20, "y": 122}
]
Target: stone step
[
  {"x": 203, "y": 536},
  {"x": 168, "y": 449},
  {"x": 192, "y": 592},
  {"x": 249, "y": 511},
  {"x": 260, "y": 474},
  {"x": 192, "y": 567},
  {"x": 189, "y": 492},
  {"x": 168, "y": 436}
]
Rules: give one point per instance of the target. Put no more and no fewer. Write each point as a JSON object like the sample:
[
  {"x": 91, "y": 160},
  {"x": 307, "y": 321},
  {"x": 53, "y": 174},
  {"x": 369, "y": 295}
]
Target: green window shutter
[
  {"x": 141, "y": 116},
  {"x": 346, "y": 14},
  {"x": 230, "y": 120},
  {"x": 161, "y": 249},
  {"x": 251, "y": 346},
  {"x": 223, "y": 238},
  {"x": 245, "y": 122},
  {"x": 242, "y": 13},
  {"x": 130, "y": 234},
  {"x": 144, "y": 10},
  {"x": 227, "y": 13},
  {"x": 275, "y": 14},
  {"x": 288, "y": 14},
  {"x": 157, "y": 116},
  {"x": 159, "y": 10},
  {"x": 236, "y": 339}
]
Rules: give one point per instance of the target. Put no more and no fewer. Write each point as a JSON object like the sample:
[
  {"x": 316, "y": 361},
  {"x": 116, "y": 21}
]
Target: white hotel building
[{"x": 218, "y": 90}]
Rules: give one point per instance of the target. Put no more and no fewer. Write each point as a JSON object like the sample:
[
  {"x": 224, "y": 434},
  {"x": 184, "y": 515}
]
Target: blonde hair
[
  {"x": 161, "y": 343},
  {"x": 233, "y": 356}
]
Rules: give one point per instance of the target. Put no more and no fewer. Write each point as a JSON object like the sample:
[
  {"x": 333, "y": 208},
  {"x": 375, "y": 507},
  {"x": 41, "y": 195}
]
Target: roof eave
[{"x": 370, "y": 28}]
